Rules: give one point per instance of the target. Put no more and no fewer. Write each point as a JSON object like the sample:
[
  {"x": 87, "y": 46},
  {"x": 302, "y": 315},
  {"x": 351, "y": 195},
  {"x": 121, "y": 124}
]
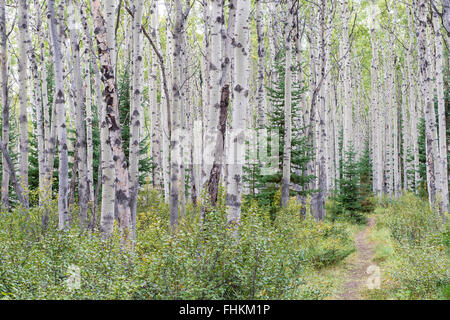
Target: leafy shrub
[
  {"x": 267, "y": 260},
  {"x": 421, "y": 265},
  {"x": 325, "y": 243}
]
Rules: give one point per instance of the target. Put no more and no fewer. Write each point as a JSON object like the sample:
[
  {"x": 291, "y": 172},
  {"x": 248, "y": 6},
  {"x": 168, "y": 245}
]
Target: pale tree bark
[
  {"x": 347, "y": 99},
  {"x": 235, "y": 155},
  {"x": 176, "y": 136},
  {"x": 375, "y": 107},
  {"x": 23, "y": 98},
  {"x": 106, "y": 164},
  {"x": 441, "y": 112},
  {"x": 36, "y": 94},
  {"x": 412, "y": 101},
  {"x": 165, "y": 100},
  {"x": 4, "y": 103},
  {"x": 321, "y": 112},
  {"x": 206, "y": 86},
  {"x": 286, "y": 179},
  {"x": 87, "y": 90},
  {"x": 10, "y": 167},
  {"x": 216, "y": 170},
  {"x": 109, "y": 9},
  {"x": 136, "y": 110},
  {"x": 405, "y": 130},
  {"x": 154, "y": 106},
  {"x": 83, "y": 192},
  {"x": 260, "y": 90},
  {"x": 396, "y": 179},
  {"x": 122, "y": 183},
  {"x": 63, "y": 212},
  {"x": 212, "y": 125},
  {"x": 420, "y": 7}
]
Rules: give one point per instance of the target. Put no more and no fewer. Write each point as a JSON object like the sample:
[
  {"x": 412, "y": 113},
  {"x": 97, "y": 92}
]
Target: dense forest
[{"x": 224, "y": 149}]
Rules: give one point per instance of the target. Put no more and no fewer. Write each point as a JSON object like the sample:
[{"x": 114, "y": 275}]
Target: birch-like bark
[
  {"x": 412, "y": 101},
  {"x": 109, "y": 8},
  {"x": 260, "y": 87},
  {"x": 87, "y": 91},
  {"x": 4, "y": 103},
  {"x": 176, "y": 137},
  {"x": 431, "y": 147},
  {"x": 214, "y": 90},
  {"x": 83, "y": 192},
  {"x": 165, "y": 114},
  {"x": 235, "y": 155},
  {"x": 347, "y": 98},
  {"x": 23, "y": 98},
  {"x": 122, "y": 183},
  {"x": 154, "y": 106},
  {"x": 375, "y": 107},
  {"x": 36, "y": 94},
  {"x": 63, "y": 213},
  {"x": 136, "y": 110},
  {"x": 441, "y": 113},
  {"x": 286, "y": 179},
  {"x": 206, "y": 86},
  {"x": 322, "y": 156},
  {"x": 106, "y": 164}
]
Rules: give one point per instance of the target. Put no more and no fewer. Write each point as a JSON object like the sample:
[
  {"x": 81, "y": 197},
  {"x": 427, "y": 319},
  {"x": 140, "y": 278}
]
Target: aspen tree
[
  {"x": 211, "y": 133},
  {"x": 4, "y": 103},
  {"x": 37, "y": 100},
  {"x": 441, "y": 111},
  {"x": 106, "y": 165},
  {"x": 111, "y": 110},
  {"x": 285, "y": 182},
  {"x": 176, "y": 136},
  {"x": 430, "y": 119},
  {"x": 60, "y": 113},
  {"x": 23, "y": 97},
  {"x": 136, "y": 110},
  {"x": 154, "y": 106},
  {"x": 347, "y": 99},
  {"x": 260, "y": 90},
  {"x": 321, "y": 158},
  {"x": 165, "y": 114},
  {"x": 412, "y": 100},
  {"x": 83, "y": 192},
  {"x": 235, "y": 158}
]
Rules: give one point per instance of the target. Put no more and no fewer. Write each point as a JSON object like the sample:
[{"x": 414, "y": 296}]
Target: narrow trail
[{"x": 356, "y": 274}]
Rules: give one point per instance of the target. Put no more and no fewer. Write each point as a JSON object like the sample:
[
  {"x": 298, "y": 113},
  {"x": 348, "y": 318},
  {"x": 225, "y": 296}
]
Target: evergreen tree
[
  {"x": 145, "y": 163},
  {"x": 264, "y": 188}
]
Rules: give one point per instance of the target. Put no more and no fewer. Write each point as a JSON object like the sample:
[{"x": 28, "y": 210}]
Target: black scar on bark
[
  {"x": 121, "y": 196},
  {"x": 238, "y": 88}
]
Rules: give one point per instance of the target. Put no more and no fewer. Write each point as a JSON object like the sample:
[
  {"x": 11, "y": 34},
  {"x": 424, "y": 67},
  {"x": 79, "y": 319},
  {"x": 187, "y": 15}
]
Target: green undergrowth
[
  {"x": 412, "y": 250},
  {"x": 269, "y": 259}
]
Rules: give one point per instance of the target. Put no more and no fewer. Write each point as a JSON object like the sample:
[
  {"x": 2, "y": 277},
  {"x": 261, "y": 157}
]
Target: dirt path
[{"x": 356, "y": 274}]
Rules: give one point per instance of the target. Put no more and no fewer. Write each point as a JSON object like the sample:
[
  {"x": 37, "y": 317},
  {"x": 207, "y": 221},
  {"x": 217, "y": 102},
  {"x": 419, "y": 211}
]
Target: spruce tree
[{"x": 263, "y": 188}]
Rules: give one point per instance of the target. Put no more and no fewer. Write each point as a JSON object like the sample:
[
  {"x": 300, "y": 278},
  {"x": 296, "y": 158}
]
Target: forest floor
[{"x": 355, "y": 271}]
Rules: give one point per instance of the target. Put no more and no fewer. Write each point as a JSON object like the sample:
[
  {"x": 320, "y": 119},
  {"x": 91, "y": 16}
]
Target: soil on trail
[{"x": 356, "y": 274}]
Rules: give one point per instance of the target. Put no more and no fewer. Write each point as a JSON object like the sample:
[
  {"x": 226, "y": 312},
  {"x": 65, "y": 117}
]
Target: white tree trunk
[
  {"x": 63, "y": 212},
  {"x": 441, "y": 112},
  {"x": 23, "y": 97},
  {"x": 136, "y": 110},
  {"x": 4, "y": 102},
  {"x": 240, "y": 102}
]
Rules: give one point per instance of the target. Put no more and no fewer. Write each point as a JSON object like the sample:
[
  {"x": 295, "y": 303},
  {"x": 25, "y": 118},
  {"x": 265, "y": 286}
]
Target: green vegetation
[
  {"x": 271, "y": 260},
  {"x": 353, "y": 197},
  {"x": 413, "y": 251}
]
